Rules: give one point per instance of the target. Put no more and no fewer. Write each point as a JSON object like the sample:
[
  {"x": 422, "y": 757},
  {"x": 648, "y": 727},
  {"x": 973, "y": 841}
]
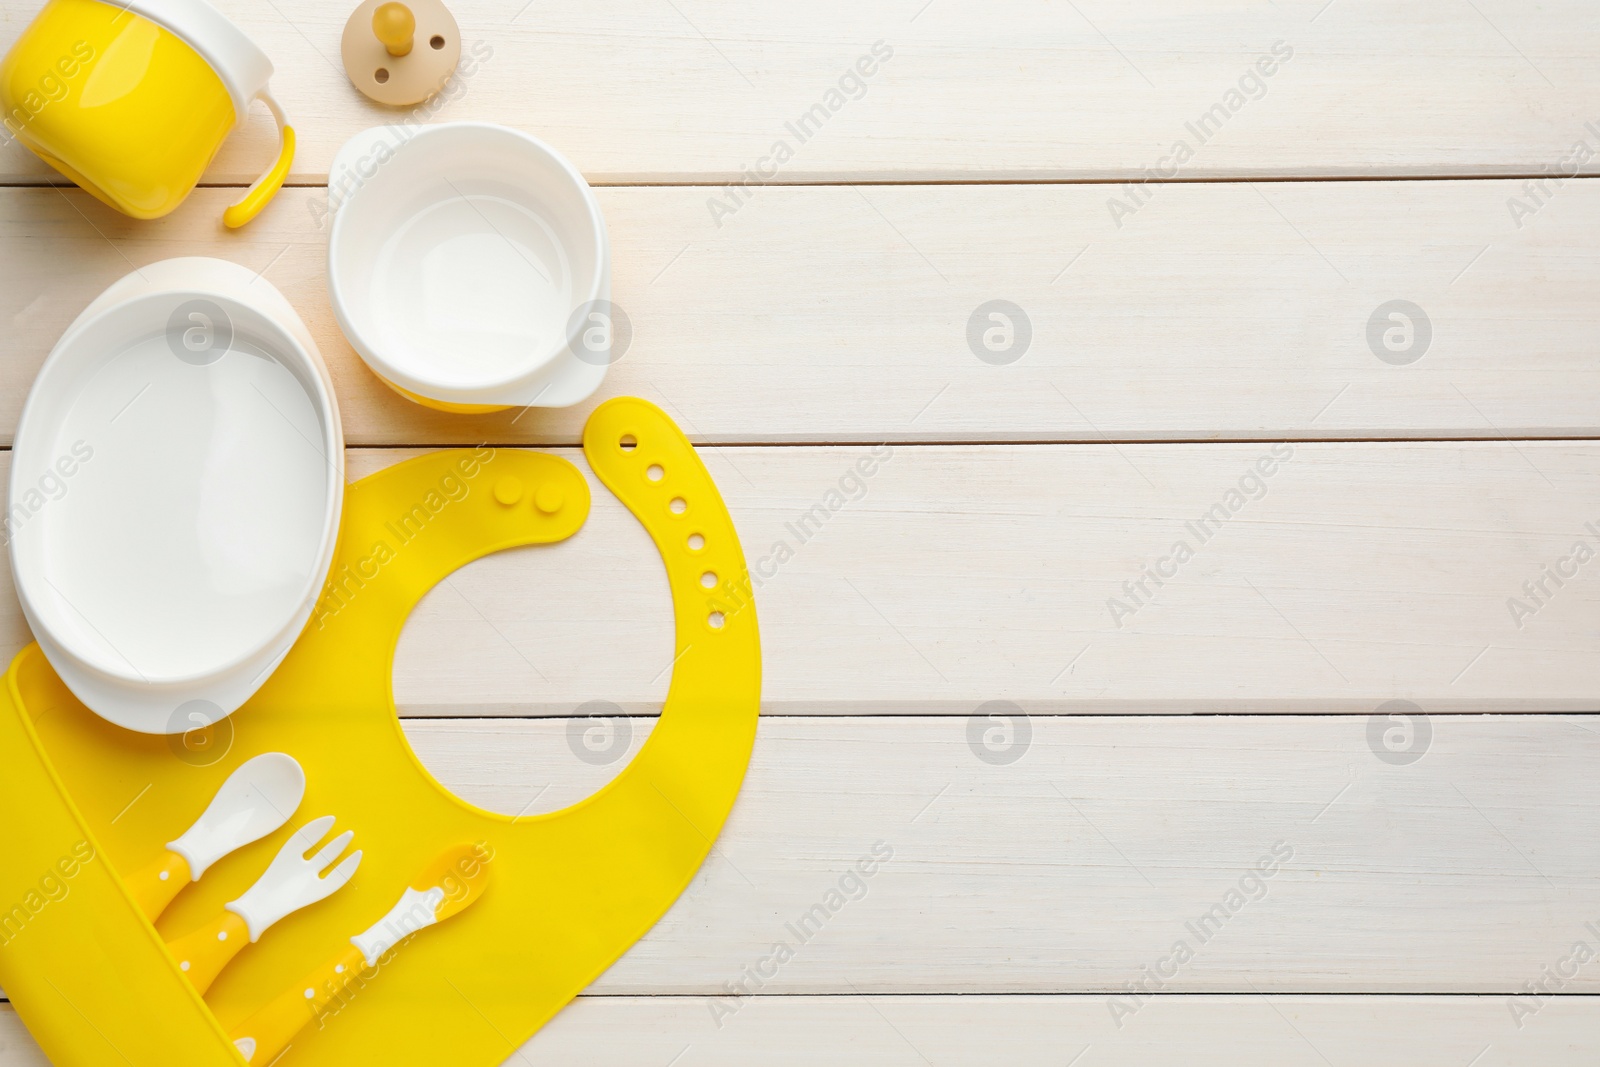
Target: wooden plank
[
  {"x": 981, "y": 1030},
  {"x": 960, "y": 575},
  {"x": 955, "y": 576},
  {"x": 842, "y": 314},
  {"x": 975, "y": 1031},
  {"x": 17, "y": 1047},
  {"x": 1102, "y": 846},
  {"x": 702, "y": 89},
  {"x": 1282, "y": 852}
]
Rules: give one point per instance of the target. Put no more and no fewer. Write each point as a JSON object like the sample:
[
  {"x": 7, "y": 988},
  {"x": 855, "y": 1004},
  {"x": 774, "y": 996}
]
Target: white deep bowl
[
  {"x": 465, "y": 263},
  {"x": 176, "y": 487}
]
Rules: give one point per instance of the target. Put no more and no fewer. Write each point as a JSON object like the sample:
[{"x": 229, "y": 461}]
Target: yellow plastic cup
[{"x": 131, "y": 101}]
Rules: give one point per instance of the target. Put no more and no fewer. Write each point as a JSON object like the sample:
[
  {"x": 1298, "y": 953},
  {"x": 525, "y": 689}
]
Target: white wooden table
[{"x": 1185, "y": 334}]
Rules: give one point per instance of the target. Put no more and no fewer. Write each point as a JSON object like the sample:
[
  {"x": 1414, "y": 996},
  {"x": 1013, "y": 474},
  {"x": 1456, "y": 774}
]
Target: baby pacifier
[{"x": 401, "y": 53}]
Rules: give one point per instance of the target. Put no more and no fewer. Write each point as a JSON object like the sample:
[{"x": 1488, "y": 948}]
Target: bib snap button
[
  {"x": 549, "y": 498},
  {"x": 508, "y": 490}
]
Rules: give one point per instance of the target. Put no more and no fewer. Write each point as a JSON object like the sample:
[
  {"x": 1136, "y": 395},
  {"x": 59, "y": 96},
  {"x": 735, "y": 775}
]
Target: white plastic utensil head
[
  {"x": 413, "y": 912},
  {"x": 450, "y": 885},
  {"x": 258, "y": 797},
  {"x": 294, "y": 881}
]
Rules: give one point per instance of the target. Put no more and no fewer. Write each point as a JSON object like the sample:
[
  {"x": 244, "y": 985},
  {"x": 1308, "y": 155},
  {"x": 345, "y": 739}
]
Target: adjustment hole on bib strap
[
  {"x": 678, "y": 505},
  {"x": 709, "y": 579},
  {"x": 655, "y": 472},
  {"x": 715, "y": 620},
  {"x": 696, "y": 542},
  {"x": 628, "y": 442}
]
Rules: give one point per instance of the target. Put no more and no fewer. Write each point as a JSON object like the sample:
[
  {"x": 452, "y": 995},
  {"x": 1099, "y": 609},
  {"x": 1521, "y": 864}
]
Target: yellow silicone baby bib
[{"x": 570, "y": 890}]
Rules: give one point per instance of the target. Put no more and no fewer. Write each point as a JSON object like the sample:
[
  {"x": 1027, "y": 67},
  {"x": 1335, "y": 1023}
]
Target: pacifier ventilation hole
[
  {"x": 380, "y": 75},
  {"x": 678, "y": 505},
  {"x": 436, "y": 42}
]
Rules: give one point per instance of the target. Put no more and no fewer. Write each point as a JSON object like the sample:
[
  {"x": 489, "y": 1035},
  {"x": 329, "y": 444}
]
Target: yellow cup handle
[{"x": 266, "y": 186}]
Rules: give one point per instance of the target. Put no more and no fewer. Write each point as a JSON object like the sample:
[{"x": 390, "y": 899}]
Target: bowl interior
[
  {"x": 171, "y": 488},
  {"x": 460, "y": 261}
]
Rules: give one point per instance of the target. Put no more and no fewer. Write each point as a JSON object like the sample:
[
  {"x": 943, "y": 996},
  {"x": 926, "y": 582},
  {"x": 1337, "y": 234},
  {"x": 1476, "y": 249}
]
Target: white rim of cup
[{"x": 509, "y": 390}]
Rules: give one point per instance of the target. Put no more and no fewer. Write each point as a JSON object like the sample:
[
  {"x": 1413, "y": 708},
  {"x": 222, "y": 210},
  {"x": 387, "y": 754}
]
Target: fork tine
[
  {"x": 331, "y": 851},
  {"x": 309, "y": 834},
  {"x": 343, "y": 873}
]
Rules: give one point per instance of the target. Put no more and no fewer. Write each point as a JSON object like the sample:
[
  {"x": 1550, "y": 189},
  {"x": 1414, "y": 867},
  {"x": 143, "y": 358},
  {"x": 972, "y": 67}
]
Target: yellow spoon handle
[
  {"x": 154, "y": 887},
  {"x": 203, "y": 954},
  {"x": 325, "y": 991}
]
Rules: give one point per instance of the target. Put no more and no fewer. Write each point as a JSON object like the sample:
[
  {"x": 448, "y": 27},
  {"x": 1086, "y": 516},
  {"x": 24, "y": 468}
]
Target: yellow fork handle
[
  {"x": 263, "y": 1037},
  {"x": 266, "y": 186},
  {"x": 154, "y": 887},
  {"x": 203, "y": 954}
]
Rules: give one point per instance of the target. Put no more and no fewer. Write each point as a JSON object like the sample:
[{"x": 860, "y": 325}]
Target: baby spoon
[
  {"x": 258, "y": 798},
  {"x": 451, "y": 884}
]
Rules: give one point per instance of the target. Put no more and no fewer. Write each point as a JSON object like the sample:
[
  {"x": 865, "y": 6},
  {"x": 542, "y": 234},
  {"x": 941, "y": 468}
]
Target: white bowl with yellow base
[
  {"x": 177, "y": 481},
  {"x": 469, "y": 267}
]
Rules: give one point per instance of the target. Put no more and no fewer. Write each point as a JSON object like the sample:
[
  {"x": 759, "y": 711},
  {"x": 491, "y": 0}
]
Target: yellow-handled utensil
[
  {"x": 292, "y": 882},
  {"x": 451, "y": 884},
  {"x": 257, "y": 799}
]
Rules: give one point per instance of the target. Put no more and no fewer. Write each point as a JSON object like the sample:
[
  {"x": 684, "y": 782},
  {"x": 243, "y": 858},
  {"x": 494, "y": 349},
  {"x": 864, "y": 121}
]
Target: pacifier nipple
[
  {"x": 396, "y": 27},
  {"x": 401, "y": 53}
]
